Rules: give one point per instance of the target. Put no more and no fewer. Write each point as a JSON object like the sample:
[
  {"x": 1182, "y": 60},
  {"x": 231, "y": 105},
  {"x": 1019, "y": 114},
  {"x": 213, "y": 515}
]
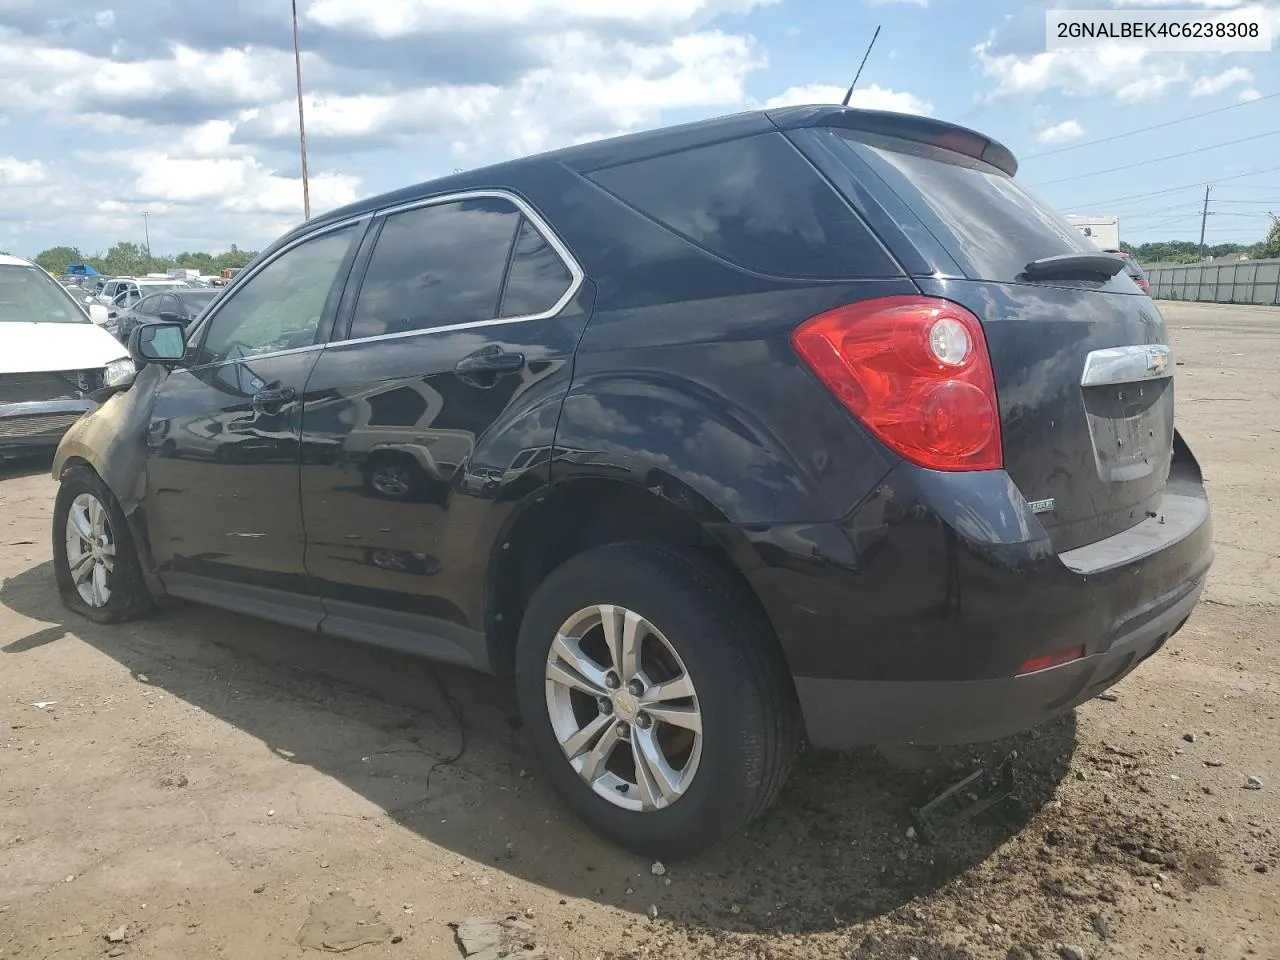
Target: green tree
[
  {"x": 57, "y": 259},
  {"x": 126, "y": 259},
  {"x": 1270, "y": 247}
]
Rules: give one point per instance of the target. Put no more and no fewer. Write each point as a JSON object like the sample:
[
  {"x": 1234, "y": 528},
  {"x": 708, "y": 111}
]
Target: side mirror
[
  {"x": 168, "y": 316},
  {"x": 158, "y": 343},
  {"x": 97, "y": 312}
]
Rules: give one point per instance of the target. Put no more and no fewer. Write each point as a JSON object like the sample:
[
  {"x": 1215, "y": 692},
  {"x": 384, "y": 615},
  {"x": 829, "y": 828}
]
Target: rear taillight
[{"x": 915, "y": 371}]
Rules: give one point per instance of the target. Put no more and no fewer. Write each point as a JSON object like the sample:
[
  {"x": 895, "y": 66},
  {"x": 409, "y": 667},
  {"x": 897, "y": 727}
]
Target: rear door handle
[
  {"x": 490, "y": 360},
  {"x": 272, "y": 399}
]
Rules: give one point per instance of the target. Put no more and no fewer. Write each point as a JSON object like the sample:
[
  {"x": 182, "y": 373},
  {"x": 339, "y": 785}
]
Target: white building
[{"x": 1103, "y": 231}]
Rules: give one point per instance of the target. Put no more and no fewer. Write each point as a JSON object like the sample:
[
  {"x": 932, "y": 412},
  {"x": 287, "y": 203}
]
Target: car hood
[{"x": 36, "y": 347}]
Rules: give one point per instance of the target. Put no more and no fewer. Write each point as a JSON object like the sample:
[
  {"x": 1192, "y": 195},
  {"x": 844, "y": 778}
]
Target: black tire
[
  {"x": 130, "y": 597},
  {"x": 750, "y": 717}
]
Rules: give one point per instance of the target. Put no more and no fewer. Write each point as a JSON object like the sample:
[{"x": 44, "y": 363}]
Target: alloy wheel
[
  {"x": 392, "y": 481},
  {"x": 623, "y": 708},
  {"x": 91, "y": 549}
]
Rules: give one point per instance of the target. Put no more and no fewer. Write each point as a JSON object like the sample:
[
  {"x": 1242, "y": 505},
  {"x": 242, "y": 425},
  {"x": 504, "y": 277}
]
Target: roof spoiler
[{"x": 949, "y": 136}]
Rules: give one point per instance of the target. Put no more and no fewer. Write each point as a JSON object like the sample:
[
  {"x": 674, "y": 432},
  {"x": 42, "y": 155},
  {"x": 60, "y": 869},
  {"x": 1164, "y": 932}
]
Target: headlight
[{"x": 119, "y": 373}]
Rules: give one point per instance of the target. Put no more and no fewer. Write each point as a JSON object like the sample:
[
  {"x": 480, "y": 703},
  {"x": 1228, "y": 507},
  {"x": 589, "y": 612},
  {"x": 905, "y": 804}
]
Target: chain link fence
[{"x": 1244, "y": 281}]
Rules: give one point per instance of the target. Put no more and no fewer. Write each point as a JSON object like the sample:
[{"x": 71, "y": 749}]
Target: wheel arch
[{"x": 576, "y": 515}]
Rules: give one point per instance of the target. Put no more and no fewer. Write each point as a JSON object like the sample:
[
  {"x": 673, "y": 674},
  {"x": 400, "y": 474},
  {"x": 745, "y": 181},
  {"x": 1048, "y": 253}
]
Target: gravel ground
[{"x": 202, "y": 785}]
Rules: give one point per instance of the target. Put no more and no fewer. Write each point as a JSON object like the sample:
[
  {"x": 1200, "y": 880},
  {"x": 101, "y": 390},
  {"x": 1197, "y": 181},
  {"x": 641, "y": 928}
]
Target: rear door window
[
  {"x": 755, "y": 202},
  {"x": 458, "y": 262},
  {"x": 437, "y": 266},
  {"x": 989, "y": 224},
  {"x": 537, "y": 277}
]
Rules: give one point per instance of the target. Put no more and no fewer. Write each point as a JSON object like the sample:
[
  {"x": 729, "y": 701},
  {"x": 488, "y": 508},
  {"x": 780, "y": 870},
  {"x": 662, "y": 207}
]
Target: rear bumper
[
  {"x": 910, "y": 621},
  {"x": 38, "y": 424},
  {"x": 845, "y": 713}
]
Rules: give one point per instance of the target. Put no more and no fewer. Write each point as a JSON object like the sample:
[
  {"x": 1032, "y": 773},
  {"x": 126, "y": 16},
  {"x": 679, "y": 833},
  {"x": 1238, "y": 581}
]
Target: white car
[{"x": 53, "y": 357}]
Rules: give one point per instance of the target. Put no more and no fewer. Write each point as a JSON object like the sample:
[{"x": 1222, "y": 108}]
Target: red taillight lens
[
  {"x": 1056, "y": 659},
  {"x": 915, "y": 371}
]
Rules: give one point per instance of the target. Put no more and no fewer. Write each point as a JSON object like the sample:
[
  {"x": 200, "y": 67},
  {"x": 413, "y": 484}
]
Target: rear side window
[
  {"x": 537, "y": 278},
  {"x": 755, "y": 202},
  {"x": 989, "y": 224}
]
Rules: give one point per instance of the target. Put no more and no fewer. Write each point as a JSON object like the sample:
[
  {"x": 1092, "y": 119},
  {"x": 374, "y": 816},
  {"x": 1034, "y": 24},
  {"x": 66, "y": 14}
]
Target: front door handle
[{"x": 273, "y": 399}]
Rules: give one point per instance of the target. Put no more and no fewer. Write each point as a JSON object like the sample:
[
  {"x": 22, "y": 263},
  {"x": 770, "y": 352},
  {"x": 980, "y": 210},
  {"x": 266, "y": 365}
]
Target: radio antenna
[{"x": 849, "y": 92}]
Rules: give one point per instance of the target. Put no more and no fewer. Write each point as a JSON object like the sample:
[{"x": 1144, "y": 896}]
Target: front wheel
[
  {"x": 94, "y": 560},
  {"x": 655, "y": 697}
]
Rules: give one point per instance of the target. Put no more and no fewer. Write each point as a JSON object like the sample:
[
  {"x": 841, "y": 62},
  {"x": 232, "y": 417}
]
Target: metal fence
[{"x": 1244, "y": 281}]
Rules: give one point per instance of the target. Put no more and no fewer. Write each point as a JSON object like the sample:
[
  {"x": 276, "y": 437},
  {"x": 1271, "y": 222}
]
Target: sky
[{"x": 186, "y": 111}]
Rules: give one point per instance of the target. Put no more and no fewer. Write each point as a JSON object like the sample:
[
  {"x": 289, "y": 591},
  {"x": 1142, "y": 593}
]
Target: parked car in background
[
  {"x": 1134, "y": 270},
  {"x": 182, "y": 306},
  {"x": 807, "y": 420},
  {"x": 52, "y": 358},
  {"x": 123, "y": 292}
]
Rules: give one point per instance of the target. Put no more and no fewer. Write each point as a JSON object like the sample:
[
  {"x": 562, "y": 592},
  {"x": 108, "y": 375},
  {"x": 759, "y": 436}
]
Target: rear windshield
[
  {"x": 29, "y": 295},
  {"x": 989, "y": 224}
]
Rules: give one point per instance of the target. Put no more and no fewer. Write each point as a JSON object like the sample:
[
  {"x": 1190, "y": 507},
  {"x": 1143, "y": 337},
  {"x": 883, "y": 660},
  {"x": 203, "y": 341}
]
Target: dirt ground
[{"x": 221, "y": 787}]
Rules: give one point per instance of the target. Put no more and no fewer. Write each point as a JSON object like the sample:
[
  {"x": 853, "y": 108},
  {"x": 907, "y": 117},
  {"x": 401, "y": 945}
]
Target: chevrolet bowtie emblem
[{"x": 1157, "y": 361}]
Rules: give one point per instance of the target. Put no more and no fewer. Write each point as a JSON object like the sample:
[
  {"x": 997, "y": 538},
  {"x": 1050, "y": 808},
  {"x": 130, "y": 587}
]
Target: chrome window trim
[
  {"x": 1132, "y": 364},
  {"x": 196, "y": 336},
  {"x": 576, "y": 274}
]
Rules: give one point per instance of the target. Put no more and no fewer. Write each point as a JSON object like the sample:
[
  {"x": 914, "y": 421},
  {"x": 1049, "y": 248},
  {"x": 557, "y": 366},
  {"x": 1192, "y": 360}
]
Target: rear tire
[
  {"x": 95, "y": 562},
  {"x": 695, "y": 629}
]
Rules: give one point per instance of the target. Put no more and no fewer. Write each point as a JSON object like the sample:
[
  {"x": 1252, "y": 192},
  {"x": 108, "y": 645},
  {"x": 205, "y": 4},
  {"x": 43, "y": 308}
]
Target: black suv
[{"x": 808, "y": 421}]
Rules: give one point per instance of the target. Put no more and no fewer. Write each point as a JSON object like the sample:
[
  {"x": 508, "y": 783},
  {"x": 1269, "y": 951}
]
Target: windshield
[
  {"x": 29, "y": 295},
  {"x": 198, "y": 301},
  {"x": 989, "y": 224},
  {"x": 148, "y": 288}
]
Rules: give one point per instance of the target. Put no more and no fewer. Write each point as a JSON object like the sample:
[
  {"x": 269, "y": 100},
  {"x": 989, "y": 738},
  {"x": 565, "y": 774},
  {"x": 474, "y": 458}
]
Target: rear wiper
[{"x": 1069, "y": 265}]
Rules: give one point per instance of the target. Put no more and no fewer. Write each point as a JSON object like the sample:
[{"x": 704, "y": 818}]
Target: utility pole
[
  {"x": 146, "y": 232},
  {"x": 302, "y": 126},
  {"x": 1204, "y": 216}
]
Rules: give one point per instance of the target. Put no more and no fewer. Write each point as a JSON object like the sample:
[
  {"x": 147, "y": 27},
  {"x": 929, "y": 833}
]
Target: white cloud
[
  {"x": 196, "y": 122},
  {"x": 32, "y": 77},
  {"x": 1186, "y": 4},
  {"x": 1250, "y": 94},
  {"x": 396, "y": 18},
  {"x": 1123, "y": 72},
  {"x": 1061, "y": 132},
  {"x": 885, "y": 3},
  {"x": 617, "y": 86},
  {"x": 1208, "y": 86},
  {"x": 14, "y": 171},
  {"x": 873, "y": 97},
  {"x": 1014, "y": 59}
]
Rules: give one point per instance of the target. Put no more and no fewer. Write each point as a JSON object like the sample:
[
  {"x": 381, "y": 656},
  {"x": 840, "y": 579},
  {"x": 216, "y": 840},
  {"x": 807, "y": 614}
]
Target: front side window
[
  {"x": 436, "y": 266},
  {"x": 280, "y": 306}
]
